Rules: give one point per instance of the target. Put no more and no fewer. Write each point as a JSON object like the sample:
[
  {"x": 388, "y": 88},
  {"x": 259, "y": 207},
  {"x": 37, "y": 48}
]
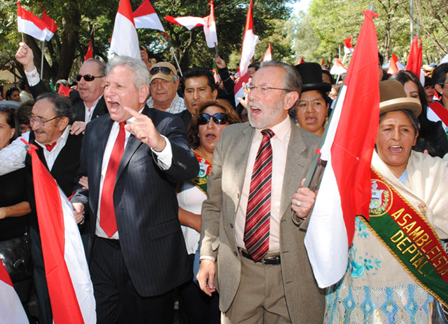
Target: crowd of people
[{"x": 184, "y": 196}]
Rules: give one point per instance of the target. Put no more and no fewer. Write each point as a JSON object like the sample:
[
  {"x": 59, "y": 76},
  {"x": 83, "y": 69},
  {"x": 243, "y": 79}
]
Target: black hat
[{"x": 311, "y": 74}]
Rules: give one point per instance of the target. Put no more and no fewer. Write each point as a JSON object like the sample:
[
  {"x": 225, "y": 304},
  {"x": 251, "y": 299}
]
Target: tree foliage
[
  {"x": 83, "y": 21},
  {"x": 335, "y": 20}
]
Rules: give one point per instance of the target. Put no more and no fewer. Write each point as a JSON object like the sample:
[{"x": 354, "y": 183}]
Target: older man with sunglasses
[
  {"x": 87, "y": 102},
  {"x": 163, "y": 88}
]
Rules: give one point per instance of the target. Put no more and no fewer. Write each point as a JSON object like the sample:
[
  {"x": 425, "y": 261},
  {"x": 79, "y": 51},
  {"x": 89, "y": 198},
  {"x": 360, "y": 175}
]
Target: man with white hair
[{"x": 133, "y": 157}]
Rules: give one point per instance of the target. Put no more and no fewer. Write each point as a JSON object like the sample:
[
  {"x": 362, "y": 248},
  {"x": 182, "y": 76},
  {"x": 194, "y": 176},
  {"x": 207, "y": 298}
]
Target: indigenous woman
[
  {"x": 204, "y": 133},
  {"x": 397, "y": 265},
  {"x": 432, "y": 137},
  {"x": 312, "y": 108}
]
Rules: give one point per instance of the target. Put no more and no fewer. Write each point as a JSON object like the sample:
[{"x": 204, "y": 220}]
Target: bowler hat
[
  {"x": 311, "y": 74},
  {"x": 393, "y": 97}
]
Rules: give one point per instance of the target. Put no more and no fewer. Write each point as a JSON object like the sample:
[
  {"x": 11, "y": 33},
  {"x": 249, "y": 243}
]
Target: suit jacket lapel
[
  {"x": 241, "y": 155},
  {"x": 295, "y": 163},
  {"x": 101, "y": 136},
  {"x": 132, "y": 145}
]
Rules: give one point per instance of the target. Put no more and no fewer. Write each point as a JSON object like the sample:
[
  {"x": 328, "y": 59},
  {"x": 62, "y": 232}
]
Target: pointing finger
[{"x": 133, "y": 113}]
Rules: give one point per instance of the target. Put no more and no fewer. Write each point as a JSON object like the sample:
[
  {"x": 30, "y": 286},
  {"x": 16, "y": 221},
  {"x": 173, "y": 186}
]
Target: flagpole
[
  {"x": 313, "y": 178},
  {"x": 42, "y": 61},
  {"x": 175, "y": 58},
  {"x": 216, "y": 50}
]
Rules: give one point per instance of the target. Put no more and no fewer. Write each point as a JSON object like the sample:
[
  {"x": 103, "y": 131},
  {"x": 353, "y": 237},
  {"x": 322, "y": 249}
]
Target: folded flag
[
  {"x": 208, "y": 24},
  {"x": 146, "y": 17},
  {"x": 338, "y": 68},
  {"x": 66, "y": 270},
  {"x": 51, "y": 26},
  {"x": 30, "y": 24},
  {"x": 345, "y": 189},
  {"x": 247, "y": 52},
  {"x": 11, "y": 308},
  {"x": 268, "y": 54},
  {"x": 124, "y": 37},
  {"x": 348, "y": 47}
]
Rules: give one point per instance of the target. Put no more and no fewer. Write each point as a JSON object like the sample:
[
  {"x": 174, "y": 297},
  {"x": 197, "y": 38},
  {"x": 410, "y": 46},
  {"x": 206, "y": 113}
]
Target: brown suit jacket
[{"x": 305, "y": 301}]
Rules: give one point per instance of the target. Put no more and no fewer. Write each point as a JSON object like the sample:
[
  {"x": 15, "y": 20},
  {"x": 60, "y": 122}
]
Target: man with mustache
[
  {"x": 247, "y": 237},
  {"x": 163, "y": 89}
]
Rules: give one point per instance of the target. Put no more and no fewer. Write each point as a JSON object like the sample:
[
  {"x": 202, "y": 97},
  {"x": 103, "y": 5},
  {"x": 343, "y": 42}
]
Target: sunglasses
[
  {"x": 219, "y": 118},
  {"x": 165, "y": 70},
  {"x": 88, "y": 77}
]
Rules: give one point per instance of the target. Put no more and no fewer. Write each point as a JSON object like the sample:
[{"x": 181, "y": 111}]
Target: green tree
[{"x": 81, "y": 21}]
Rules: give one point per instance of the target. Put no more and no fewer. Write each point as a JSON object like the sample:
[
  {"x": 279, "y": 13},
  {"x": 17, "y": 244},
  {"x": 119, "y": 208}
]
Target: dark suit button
[
  {"x": 231, "y": 225},
  {"x": 236, "y": 253}
]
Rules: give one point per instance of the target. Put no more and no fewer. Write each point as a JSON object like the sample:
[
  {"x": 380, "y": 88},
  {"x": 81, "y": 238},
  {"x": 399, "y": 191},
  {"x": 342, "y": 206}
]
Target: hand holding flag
[{"x": 345, "y": 189}]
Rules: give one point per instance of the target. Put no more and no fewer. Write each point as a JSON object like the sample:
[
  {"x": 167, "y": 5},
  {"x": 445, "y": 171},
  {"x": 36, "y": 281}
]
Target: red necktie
[
  {"x": 108, "y": 221},
  {"x": 50, "y": 146},
  {"x": 256, "y": 233}
]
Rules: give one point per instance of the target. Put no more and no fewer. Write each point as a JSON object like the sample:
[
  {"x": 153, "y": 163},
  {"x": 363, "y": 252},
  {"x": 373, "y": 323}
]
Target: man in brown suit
[{"x": 276, "y": 286}]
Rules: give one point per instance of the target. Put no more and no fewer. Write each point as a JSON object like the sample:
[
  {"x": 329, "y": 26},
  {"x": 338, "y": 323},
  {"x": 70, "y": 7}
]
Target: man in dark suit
[
  {"x": 88, "y": 102},
  {"x": 262, "y": 267},
  {"x": 136, "y": 254}
]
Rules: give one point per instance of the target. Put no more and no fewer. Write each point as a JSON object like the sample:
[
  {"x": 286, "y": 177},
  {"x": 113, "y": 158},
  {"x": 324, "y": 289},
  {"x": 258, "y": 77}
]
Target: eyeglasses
[
  {"x": 41, "y": 122},
  {"x": 156, "y": 69},
  {"x": 306, "y": 103},
  {"x": 265, "y": 89},
  {"x": 220, "y": 118},
  {"x": 88, "y": 77}
]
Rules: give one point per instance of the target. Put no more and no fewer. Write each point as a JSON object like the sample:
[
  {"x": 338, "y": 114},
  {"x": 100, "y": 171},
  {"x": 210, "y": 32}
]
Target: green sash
[
  {"x": 205, "y": 168},
  {"x": 407, "y": 234}
]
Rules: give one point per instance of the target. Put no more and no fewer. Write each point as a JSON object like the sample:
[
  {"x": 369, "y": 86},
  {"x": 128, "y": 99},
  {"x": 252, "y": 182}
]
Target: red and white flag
[
  {"x": 51, "y": 26},
  {"x": 124, "y": 38},
  {"x": 345, "y": 189},
  {"x": 11, "y": 308},
  {"x": 208, "y": 24},
  {"x": 66, "y": 270},
  {"x": 30, "y": 24},
  {"x": 415, "y": 57},
  {"x": 338, "y": 68},
  {"x": 89, "y": 53},
  {"x": 393, "y": 67},
  {"x": 247, "y": 52},
  {"x": 348, "y": 47},
  {"x": 415, "y": 60},
  {"x": 268, "y": 54},
  {"x": 211, "y": 36},
  {"x": 146, "y": 17}
]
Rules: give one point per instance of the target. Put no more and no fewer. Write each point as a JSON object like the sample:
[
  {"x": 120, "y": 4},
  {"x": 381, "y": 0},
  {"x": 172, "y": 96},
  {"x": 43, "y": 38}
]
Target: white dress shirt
[
  {"x": 279, "y": 145},
  {"x": 13, "y": 156},
  {"x": 164, "y": 160},
  {"x": 177, "y": 105}
]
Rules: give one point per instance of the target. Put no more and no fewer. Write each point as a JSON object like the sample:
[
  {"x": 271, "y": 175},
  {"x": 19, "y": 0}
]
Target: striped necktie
[{"x": 256, "y": 233}]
